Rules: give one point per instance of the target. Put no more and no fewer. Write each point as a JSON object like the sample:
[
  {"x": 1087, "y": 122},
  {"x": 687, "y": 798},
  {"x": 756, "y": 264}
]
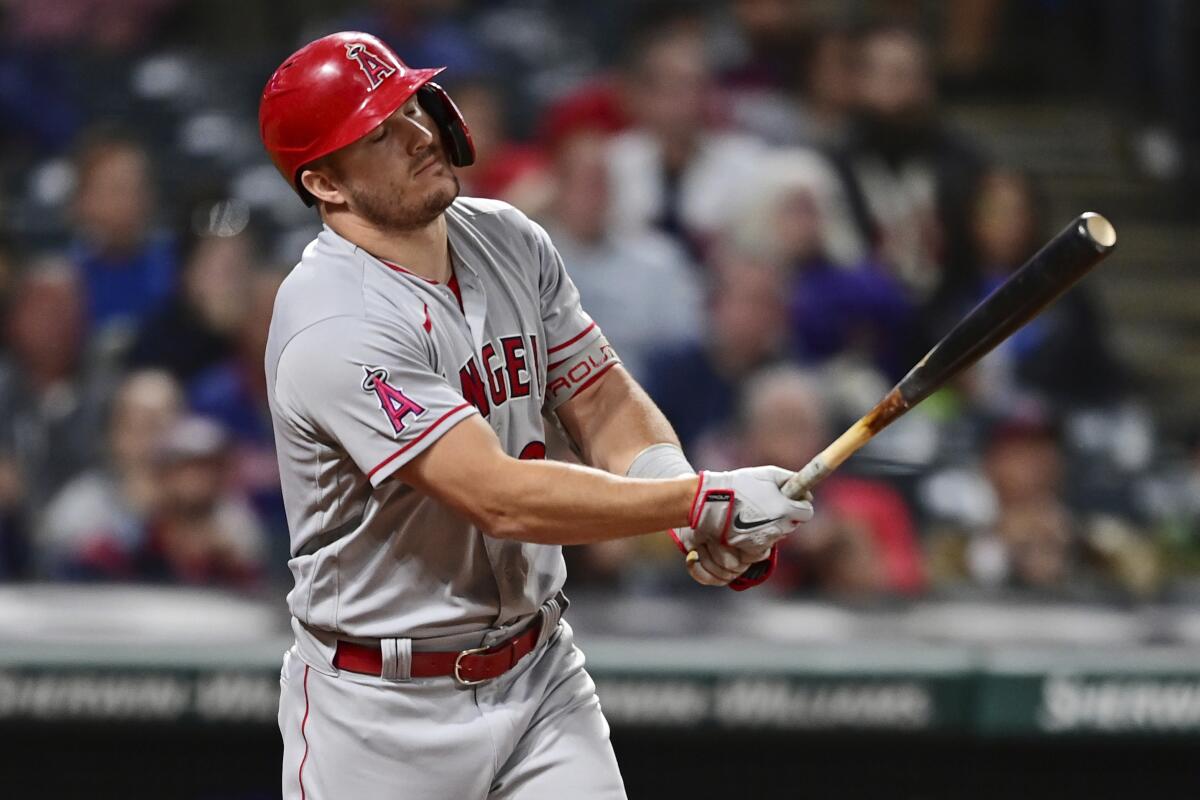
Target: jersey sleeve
[
  {"x": 371, "y": 390},
  {"x": 577, "y": 353}
]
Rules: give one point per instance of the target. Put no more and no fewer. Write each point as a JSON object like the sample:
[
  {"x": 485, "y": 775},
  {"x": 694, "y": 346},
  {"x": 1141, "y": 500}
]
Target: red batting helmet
[{"x": 335, "y": 90}]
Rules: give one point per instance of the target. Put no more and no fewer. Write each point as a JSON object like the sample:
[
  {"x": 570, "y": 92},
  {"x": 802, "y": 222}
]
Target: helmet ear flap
[{"x": 455, "y": 134}]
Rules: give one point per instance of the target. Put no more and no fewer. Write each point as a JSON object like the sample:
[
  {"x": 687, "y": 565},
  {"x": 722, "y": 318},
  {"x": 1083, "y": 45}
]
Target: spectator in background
[
  {"x": 908, "y": 176},
  {"x": 863, "y": 539},
  {"x": 827, "y": 88},
  {"x": 696, "y": 384},
  {"x": 201, "y": 532},
  {"x": 197, "y": 326},
  {"x": 1062, "y": 356},
  {"x": 504, "y": 169},
  {"x": 127, "y": 268},
  {"x": 597, "y": 106},
  {"x": 1023, "y": 534},
  {"x": 1009, "y": 525},
  {"x": 639, "y": 286},
  {"x": 773, "y": 38},
  {"x": 790, "y": 83},
  {"x": 674, "y": 170},
  {"x": 234, "y": 393},
  {"x": 838, "y": 306},
  {"x": 95, "y": 525},
  {"x": 51, "y": 395}
]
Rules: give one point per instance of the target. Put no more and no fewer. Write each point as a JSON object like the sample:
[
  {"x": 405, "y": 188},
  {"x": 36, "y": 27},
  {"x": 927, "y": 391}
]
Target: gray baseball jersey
[{"x": 367, "y": 366}]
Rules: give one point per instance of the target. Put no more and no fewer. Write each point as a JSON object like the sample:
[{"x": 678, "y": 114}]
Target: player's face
[{"x": 398, "y": 176}]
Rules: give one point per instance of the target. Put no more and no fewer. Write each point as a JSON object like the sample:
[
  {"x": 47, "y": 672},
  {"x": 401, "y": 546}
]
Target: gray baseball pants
[{"x": 534, "y": 733}]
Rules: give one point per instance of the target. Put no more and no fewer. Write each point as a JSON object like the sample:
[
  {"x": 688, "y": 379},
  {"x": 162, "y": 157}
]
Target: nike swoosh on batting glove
[{"x": 746, "y": 507}]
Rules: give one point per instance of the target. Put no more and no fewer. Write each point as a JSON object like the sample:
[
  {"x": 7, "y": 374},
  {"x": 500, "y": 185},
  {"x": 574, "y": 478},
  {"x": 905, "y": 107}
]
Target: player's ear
[{"x": 319, "y": 183}]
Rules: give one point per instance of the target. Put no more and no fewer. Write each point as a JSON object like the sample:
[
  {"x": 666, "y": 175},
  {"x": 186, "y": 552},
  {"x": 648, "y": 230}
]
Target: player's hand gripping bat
[{"x": 1051, "y": 271}]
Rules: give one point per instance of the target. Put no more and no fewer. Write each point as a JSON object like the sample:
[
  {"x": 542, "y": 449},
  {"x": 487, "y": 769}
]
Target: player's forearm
[
  {"x": 549, "y": 502},
  {"x": 614, "y": 420},
  {"x": 542, "y": 501}
]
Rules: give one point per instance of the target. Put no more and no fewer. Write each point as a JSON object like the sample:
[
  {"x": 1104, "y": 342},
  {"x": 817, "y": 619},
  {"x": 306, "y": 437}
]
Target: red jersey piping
[
  {"x": 572, "y": 340},
  {"x": 425, "y": 433}
]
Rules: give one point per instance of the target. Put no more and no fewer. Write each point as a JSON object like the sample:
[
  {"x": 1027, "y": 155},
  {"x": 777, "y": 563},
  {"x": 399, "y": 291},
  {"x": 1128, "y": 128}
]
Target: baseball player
[{"x": 417, "y": 355}]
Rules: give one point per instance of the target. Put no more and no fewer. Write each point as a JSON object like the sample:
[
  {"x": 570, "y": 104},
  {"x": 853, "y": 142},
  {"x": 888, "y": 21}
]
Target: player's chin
[{"x": 443, "y": 188}]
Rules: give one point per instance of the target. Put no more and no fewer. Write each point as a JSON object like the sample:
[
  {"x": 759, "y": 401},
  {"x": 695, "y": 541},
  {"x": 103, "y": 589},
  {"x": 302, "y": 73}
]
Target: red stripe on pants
[{"x": 304, "y": 735}]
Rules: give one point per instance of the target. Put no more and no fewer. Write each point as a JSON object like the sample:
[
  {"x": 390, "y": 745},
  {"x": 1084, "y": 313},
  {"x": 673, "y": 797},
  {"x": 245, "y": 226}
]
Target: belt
[{"x": 468, "y": 667}]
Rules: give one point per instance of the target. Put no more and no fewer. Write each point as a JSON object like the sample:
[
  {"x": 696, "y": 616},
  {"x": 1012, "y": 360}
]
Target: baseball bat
[{"x": 1040, "y": 281}]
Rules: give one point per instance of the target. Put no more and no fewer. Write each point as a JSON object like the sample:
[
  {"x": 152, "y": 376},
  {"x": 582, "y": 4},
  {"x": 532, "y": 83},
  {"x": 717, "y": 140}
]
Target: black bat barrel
[{"x": 1051, "y": 271}]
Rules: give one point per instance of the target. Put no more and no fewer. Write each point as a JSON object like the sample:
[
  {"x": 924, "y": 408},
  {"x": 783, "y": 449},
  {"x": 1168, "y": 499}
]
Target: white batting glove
[
  {"x": 739, "y": 566},
  {"x": 746, "y": 508}
]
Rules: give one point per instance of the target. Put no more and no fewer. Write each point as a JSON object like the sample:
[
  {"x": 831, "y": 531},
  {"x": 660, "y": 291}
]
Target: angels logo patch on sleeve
[{"x": 393, "y": 402}]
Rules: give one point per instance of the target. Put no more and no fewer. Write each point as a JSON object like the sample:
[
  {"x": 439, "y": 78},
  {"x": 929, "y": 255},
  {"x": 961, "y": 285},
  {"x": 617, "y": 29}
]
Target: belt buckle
[{"x": 459, "y": 679}]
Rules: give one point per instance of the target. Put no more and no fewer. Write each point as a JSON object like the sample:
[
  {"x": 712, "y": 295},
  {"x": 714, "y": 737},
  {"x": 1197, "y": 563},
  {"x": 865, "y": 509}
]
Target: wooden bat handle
[
  {"x": 828, "y": 460},
  {"x": 846, "y": 445}
]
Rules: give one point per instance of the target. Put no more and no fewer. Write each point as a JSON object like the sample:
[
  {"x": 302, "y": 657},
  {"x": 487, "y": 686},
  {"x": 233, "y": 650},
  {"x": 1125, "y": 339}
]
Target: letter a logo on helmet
[{"x": 374, "y": 67}]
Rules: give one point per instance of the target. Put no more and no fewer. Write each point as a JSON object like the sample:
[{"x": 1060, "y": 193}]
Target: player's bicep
[
  {"x": 586, "y": 413},
  {"x": 375, "y": 396},
  {"x": 613, "y": 420}
]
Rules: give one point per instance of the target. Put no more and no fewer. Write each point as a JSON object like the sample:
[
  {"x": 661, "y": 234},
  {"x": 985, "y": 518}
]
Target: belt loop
[
  {"x": 551, "y": 613},
  {"x": 397, "y": 659}
]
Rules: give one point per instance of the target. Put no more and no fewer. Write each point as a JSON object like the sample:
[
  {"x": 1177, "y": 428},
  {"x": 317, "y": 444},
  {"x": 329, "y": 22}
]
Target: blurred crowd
[{"x": 762, "y": 203}]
